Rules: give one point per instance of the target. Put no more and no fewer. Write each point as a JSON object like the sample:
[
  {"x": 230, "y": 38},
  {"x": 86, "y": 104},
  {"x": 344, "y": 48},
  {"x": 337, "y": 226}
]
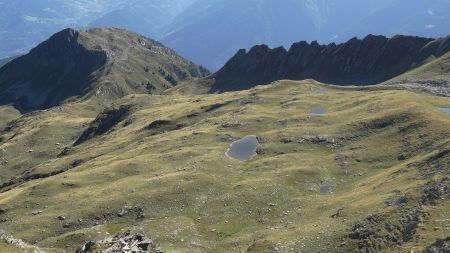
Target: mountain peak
[{"x": 106, "y": 63}]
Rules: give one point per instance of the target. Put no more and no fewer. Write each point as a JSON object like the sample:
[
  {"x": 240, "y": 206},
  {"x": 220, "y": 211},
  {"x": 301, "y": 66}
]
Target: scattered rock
[
  {"x": 339, "y": 213},
  {"x": 87, "y": 248},
  {"x": 136, "y": 211},
  {"x": 61, "y": 217},
  {"x": 396, "y": 201},
  {"x": 9, "y": 239},
  {"x": 440, "y": 246},
  {"x": 69, "y": 184},
  {"x": 372, "y": 235},
  {"x": 36, "y": 212},
  {"x": 122, "y": 243},
  {"x": 435, "y": 191},
  {"x": 231, "y": 125},
  {"x": 64, "y": 152},
  {"x": 124, "y": 211},
  {"x": 435, "y": 86},
  {"x": 319, "y": 140},
  {"x": 401, "y": 157}
]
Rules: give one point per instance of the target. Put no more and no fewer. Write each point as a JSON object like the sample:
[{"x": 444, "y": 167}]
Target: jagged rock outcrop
[
  {"x": 371, "y": 60},
  {"x": 108, "y": 63},
  {"x": 124, "y": 242},
  {"x": 440, "y": 246}
]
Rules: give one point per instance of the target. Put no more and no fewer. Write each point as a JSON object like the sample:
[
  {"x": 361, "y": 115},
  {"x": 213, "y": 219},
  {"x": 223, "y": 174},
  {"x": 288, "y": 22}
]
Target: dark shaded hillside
[
  {"x": 105, "y": 63},
  {"x": 35, "y": 80},
  {"x": 371, "y": 60}
]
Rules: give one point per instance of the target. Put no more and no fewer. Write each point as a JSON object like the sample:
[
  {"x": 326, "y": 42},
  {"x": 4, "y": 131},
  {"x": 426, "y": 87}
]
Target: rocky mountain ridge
[
  {"x": 371, "y": 60},
  {"x": 107, "y": 63}
]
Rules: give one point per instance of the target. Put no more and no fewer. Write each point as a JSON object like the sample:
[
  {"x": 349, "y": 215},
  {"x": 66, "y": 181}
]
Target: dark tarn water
[
  {"x": 243, "y": 149},
  {"x": 318, "y": 111},
  {"x": 326, "y": 189},
  {"x": 445, "y": 109}
]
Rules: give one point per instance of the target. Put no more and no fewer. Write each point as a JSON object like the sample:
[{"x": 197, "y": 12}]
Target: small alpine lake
[
  {"x": 444, "y": 109},
  {"x": 243, "y": 149},
  {"x": 318, "y": 111}
]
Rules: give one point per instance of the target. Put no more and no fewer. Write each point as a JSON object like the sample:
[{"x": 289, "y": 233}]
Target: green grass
[
  {"x": 195, "y": 199},
  {"x": 434, "y": 68}
]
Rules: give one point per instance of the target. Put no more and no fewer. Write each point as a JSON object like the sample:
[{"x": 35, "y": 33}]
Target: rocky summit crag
[
  {"x": 107, "y": 63},
  {"x": 372, "y": 60},
  {"x": 124, "y": 242}
]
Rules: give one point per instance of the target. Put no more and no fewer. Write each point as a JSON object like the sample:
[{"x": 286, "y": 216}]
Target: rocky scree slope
[
  {"x": 371, "y": 60},
  {"x": 107, "y": 63}
]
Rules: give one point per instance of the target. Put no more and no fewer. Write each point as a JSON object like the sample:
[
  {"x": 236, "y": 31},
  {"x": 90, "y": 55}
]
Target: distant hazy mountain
[
  {"x": 211, "y": 31},
  {"x": 25, "y": 23},
  {"x": 145, "y": 17},
  {"x": 429, "y": 18}
]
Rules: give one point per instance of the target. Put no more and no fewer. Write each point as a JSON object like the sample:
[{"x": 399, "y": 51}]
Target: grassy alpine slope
[{"x": 156, "y": 164}]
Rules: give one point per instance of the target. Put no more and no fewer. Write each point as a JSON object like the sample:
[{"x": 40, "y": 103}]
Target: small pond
[
  {"x": 445, "y": 109},
  {"x": 319, "y": 111},
  {"x": 319, "y": 91},
  {"x": 326, "y": 189},
  {"x": 243, "y": 149}
]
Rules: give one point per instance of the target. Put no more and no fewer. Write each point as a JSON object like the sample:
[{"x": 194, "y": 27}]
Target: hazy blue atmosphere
[{"x": 208, "y": 32}]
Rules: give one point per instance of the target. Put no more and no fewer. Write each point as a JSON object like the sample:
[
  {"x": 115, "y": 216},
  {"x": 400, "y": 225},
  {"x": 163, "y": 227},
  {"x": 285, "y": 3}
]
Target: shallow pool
[
  {"x": 243, "y": 149},
  {"x": 445, "y": 109},
  {"x": 326, "y": 189},
  {"x": 318, "y": 111}
]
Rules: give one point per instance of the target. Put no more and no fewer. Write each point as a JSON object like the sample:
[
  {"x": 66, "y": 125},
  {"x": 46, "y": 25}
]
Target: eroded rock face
[
  {"x": 104, "y": 122},
  {"x": 371, "y": 60},
  {"x": 125, "y": 242}
]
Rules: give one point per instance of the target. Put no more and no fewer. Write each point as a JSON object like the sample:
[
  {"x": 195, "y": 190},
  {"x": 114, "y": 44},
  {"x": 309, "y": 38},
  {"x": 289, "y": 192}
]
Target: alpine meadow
[{"x": 258, "y": 126}]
